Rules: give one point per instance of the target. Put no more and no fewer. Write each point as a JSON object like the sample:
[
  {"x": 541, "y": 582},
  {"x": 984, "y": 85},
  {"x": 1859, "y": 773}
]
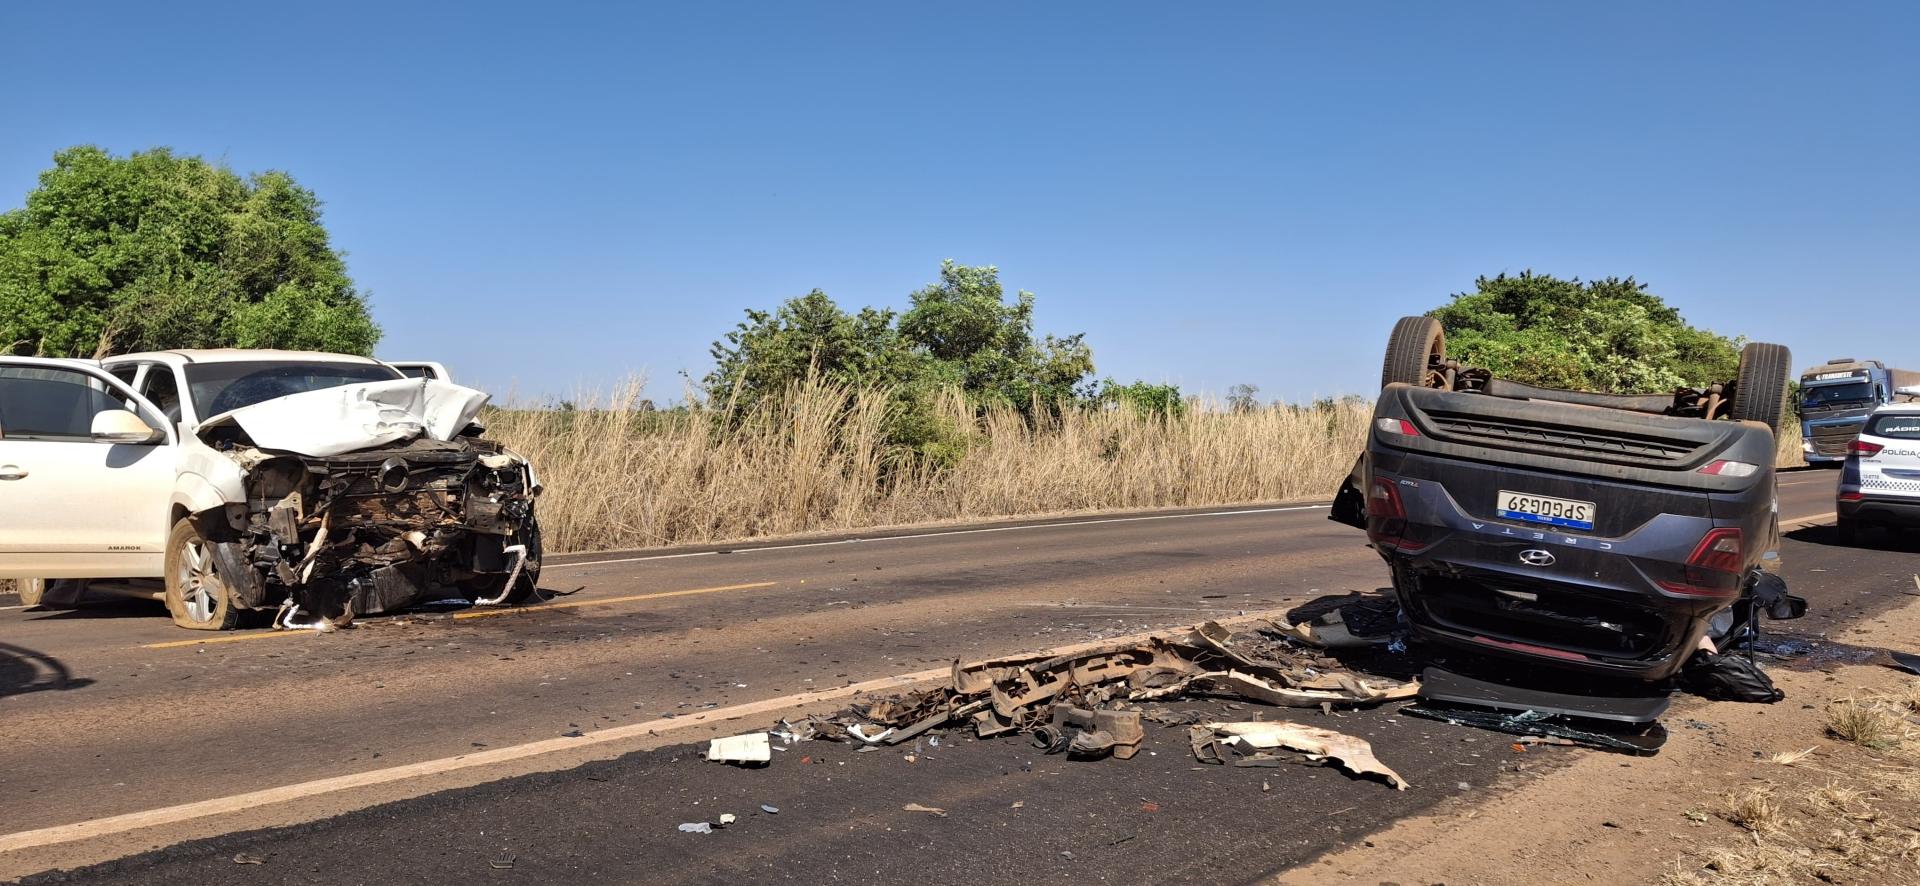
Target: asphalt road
[{"x": 112, "y": 712}]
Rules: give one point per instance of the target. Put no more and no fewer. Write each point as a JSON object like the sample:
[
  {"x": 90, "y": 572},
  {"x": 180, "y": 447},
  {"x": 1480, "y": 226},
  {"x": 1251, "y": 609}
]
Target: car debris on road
[
  {"x": 1086, "y": 704},
  {"x": 1248, "y": 744}
]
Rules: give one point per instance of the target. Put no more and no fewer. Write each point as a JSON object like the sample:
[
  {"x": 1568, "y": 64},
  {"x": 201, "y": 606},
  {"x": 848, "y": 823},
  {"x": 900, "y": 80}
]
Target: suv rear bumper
[{"x": 1886, "y": 511}]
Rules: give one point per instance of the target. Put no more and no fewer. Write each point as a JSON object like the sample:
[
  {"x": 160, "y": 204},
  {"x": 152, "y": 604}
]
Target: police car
[{"x": 1880, "y": 482}]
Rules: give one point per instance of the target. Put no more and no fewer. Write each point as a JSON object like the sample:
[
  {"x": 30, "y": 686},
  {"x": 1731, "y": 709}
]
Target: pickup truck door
[{"x": 72, "y": 506}]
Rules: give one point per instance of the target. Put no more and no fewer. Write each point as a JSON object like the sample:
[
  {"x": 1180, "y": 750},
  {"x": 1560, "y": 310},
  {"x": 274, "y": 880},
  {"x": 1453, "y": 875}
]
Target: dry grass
[
  {"x": 618, "y": 476},
  {"x": 1786, "y": 447},
  {"x": 1873, "y": 722},
  {"x": 1788, "y": 758},
  {"x": 1754, "y": 809}
]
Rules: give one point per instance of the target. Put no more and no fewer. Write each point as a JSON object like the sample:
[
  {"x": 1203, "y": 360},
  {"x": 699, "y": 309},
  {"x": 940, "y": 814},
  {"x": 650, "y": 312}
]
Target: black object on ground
[
  {"x": 1441, "y": 685},
  {"x": 1728, "y": 677},
  {"x": 1906, "y": 661},
  {"x": 1638, "y": 739}
]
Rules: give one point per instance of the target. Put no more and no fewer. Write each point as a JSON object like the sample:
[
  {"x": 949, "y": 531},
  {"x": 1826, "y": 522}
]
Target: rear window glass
[
  {"x": 1899, "y": 427},
  {"x": 52, "y": 404}
]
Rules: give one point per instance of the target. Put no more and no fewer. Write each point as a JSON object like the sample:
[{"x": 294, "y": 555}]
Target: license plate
[{"x": 1562, "y": 512}]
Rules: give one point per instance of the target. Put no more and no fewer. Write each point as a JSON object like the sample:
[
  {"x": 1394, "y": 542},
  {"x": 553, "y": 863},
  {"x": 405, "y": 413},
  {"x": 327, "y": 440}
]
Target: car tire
[
  {"x": 1847, "y": 531},
  {"x": 50, "y": 593},
  {"x": 527, "y": 585},
  {"x": 196, "y": 596},
  {"x": 1760, "y": 390},
  {"x": 1415, "y": 343}
]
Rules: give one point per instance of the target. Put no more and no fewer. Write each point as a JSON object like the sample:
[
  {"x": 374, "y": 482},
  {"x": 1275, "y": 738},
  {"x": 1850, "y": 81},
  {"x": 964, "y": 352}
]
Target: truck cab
[{"x": 1835, "y": 400}]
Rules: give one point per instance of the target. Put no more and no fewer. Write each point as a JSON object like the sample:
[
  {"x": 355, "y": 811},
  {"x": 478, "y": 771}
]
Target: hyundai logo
[{"x": 1537, "y": 557}]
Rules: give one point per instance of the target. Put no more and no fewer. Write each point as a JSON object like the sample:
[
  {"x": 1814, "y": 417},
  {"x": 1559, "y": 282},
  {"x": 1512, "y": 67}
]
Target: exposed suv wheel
[
  {"x": 1415, "y": 343},
  {"x": 196, "y": 596},
  {"x": 1760, "y": 390}
]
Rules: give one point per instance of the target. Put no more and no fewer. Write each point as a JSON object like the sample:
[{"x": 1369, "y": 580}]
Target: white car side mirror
[{"x": 121, "y": 426}]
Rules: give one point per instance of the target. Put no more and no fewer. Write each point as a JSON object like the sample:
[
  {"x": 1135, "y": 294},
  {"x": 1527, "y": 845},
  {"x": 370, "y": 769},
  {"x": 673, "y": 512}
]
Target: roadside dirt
[{"x": 1731, "y": 799}]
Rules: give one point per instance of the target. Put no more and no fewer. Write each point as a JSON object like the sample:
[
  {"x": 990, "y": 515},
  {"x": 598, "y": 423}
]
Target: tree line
[{"x": 156, "y": 250}]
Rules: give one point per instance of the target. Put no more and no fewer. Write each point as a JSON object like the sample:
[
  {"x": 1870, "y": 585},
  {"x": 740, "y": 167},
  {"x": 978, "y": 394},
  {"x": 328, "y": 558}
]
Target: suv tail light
[
  {"x": 1862, "y": 447},
  {"x": 1387, "y": 518},
  {"x": 1725, "y": 468},
  {"x": 1397, "y": 426},
  {"x": 1713, "y": 569}
]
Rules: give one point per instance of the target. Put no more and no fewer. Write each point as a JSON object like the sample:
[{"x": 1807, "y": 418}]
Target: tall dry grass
[{"x": 617, "y": 475}]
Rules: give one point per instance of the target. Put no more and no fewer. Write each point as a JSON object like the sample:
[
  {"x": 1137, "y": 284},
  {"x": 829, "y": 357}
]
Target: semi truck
[{"x": 1835, "y": 398}]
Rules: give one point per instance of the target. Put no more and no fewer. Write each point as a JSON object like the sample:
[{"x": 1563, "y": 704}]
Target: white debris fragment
[{"x": 753, "y": 747}]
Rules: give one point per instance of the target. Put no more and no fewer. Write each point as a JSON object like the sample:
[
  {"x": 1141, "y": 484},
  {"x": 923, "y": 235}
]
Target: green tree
[
  {"x": 157, "y": 250},
  {"x": 1145, "y": 398},
  {"x": 961, "y": 331},
  {"x": 1608, "y": 335}
]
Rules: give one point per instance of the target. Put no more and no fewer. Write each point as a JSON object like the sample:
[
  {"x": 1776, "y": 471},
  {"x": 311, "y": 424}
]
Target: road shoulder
[{"x": 1841, "y": 813}]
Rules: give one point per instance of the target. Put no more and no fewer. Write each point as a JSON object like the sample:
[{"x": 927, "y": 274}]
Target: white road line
[
  {"x": 869, "y": 541},
  {"x": 166, "y": 815}
]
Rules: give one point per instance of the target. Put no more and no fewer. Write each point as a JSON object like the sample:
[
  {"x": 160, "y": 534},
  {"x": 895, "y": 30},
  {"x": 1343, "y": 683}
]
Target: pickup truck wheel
[
  {"x": 196, "y": 596},
  {"x": 1415, "y": 343},
  {"x": 50, "y": 593},
  {"x": 1760, "y": 390}
]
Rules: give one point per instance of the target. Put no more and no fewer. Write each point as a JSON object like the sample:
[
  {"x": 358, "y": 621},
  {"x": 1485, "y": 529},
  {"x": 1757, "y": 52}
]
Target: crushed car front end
[
  {"x": 1578, "y": 538},
  {"x": 330, "y": 529}
]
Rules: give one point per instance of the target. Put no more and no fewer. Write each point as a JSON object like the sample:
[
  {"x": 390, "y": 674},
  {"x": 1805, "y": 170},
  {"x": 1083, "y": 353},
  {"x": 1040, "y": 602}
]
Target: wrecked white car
[{"x": 318, "y": 486}]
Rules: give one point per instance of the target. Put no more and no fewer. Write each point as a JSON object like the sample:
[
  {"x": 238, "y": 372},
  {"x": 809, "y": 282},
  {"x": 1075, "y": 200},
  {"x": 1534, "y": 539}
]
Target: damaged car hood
[{"x": 353, "y": 417}]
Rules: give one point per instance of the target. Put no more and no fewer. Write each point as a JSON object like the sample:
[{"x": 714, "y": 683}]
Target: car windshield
[
  {"x": 223, "y": 387},
  {"x": 1825, "y": 394}
]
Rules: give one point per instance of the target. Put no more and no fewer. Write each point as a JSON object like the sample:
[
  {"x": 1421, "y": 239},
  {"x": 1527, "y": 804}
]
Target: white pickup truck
[{"x": 319, "y": 485}]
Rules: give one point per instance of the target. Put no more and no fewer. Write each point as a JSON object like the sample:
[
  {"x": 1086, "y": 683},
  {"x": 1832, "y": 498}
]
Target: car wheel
[
  {"x": 1847, "y": 531},
  {"x": 1760, "y": 390},
  {"x": 527, "y": 585},
  {"x": 1415, "y": 344},
  {"x": 196, "y": 596},
  {"x": 50, "y": 593}
]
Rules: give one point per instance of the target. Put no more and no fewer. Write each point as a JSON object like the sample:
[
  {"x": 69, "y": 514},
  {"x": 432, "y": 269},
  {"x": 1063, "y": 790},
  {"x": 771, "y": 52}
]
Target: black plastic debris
[
  {"x": 1643, "y": 740},
  {"x": 1728, "y": 677},
  {"x": 1905, "y": 661},
  {"x": 1597, "y": 703}
]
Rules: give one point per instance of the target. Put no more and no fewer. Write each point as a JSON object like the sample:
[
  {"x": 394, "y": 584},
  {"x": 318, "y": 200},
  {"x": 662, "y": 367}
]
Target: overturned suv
[
  {"x": 319, "y": 486},
  {"x": 1601, "y": 534}
]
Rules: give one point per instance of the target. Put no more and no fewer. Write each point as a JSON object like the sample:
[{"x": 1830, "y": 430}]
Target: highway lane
[{"x": 144, "y": 724}]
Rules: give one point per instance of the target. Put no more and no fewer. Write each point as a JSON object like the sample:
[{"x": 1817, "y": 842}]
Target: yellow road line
[
  {"x": 570, "y": 604},
  {"x": 1807, "y": 520},
  {"x": 223, "y": 638},
  {"x": 479, "y": 613}
]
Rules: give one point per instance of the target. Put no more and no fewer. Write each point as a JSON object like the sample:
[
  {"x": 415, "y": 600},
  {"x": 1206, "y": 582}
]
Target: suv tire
[
  {"x": 1760, "y": 390},
  {"x": 1415, "y": 343},
  {"x": 196, "y": 596}
]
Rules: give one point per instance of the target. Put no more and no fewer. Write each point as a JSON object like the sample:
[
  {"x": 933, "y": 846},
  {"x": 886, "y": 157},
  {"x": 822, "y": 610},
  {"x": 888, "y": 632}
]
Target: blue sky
[{"x": 548, "y": 196}]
